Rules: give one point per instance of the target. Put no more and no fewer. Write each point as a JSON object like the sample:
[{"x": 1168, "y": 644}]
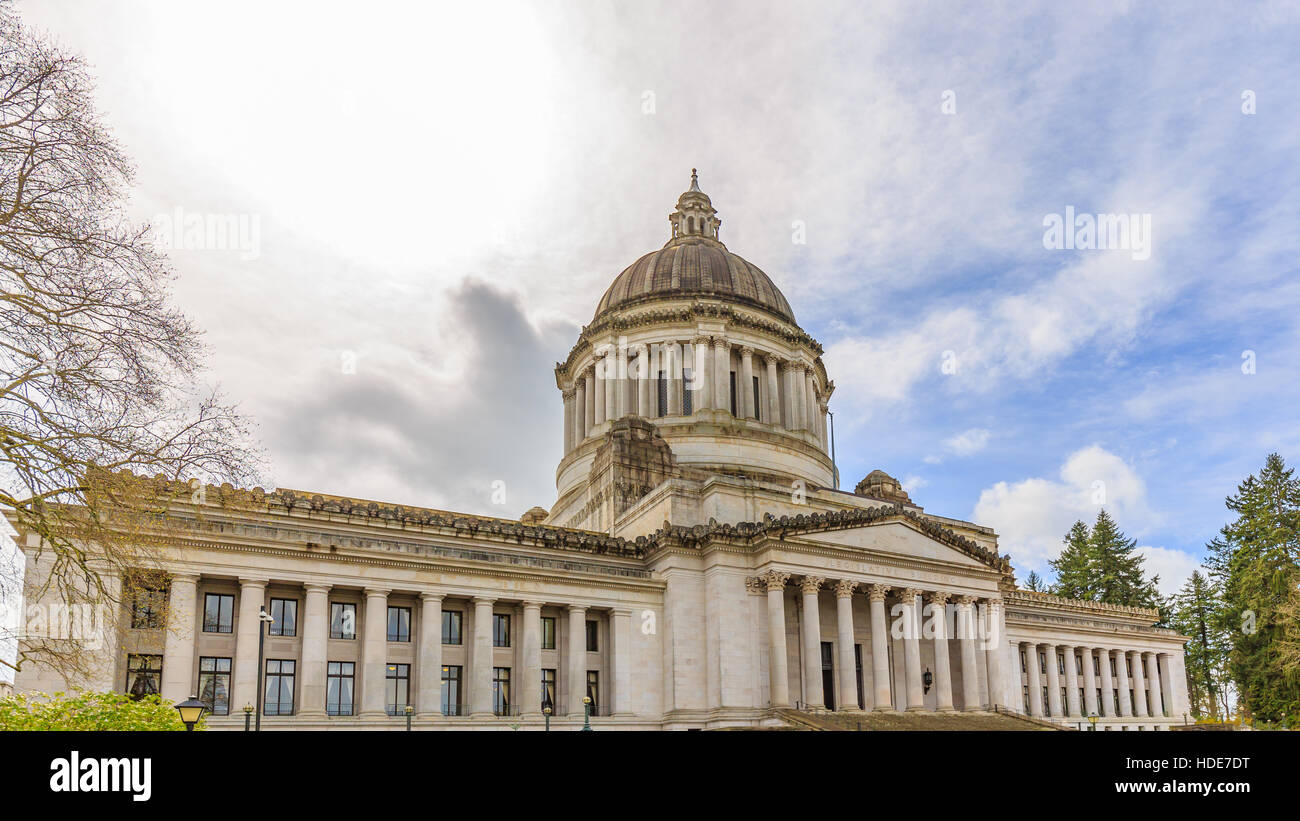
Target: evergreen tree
[
  {"x": 1117, "y": 570},
  {"x": 1195, "y": 608},
  {"x": 1255, "y": 561},
  {"x": 1034, "y": 583},
  {"x": 1075, "y": 566}
]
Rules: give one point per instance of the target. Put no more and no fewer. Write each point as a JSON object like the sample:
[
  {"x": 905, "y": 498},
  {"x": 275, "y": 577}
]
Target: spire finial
[{"x": 695, "y": 182}]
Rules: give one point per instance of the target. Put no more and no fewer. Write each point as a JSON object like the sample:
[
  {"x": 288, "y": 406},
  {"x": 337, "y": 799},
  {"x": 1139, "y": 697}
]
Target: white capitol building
[{"x": 698, "y": 570}]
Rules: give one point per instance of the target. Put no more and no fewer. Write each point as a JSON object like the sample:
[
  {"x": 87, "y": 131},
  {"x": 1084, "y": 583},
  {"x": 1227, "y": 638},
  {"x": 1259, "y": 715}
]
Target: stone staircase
[{"x": 923, "y": 721}]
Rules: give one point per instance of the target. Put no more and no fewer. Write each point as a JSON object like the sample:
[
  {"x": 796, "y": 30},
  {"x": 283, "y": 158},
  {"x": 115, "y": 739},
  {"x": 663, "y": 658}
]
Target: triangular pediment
[{"x": 896, "y": 538}]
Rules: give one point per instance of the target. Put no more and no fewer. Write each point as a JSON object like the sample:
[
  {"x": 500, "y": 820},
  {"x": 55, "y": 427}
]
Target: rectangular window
[
  {"x": 1101, "y": 703},
  {"x": 279, "y": 687},
  {"x": 340, "y": 684},
  {"x": 218, "y": 613},
  {"x": 214, "y": 684},
  {"x": 1042, "y": 663},
  {"x": 399, "y": 624},
  {"x": 451, "y": 628},
  {"x": 397, "y": 683},
  {"x": 285, "y": 613},
  {"x": 147, "y": 607},
  {"x": 501, "y": 691},
  {"x": 593, "y": 630},
  {"x": 343, "y": 620},
  {"x": 1023, "y": 667},
  {"x": 1083, "y": 705},
  {"x": 1078, "y": 664},
  {"x": 758, "y": 413},
  {"x": 593, "y": 688},
  {"x": 857, "y": 665},
  {"x": 143, "y": 675},
  {"x": 548, "y": 689},
  {"x": 1025, "y": 693},
  {"x": 451, "y": 690},
  {"x": 662, "y": 394},
  {"x": 548, "y": 633},
  {"x": 1115, "y": 696},
  {"x": 1047, "y": 705},
  {"x": 733, "y": 393},
  {"x": 1060, "y": 664},
  {"x": 1096, "y": 666},
  {"x": 500, "y": 630},
  {"x": 688, "y": 404}
]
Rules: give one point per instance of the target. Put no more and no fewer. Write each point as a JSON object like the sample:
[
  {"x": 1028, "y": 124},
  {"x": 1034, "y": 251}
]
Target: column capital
[
  {"x": 938, "y": 598},
  {"x": 747, "y": 350},
  {"x": 376, "y": 592},
  {"x": 428, "y": 596},
  {"x": 568, "y": 393},
  {"x": 488, "y": 600},
  {"x": 877, "y": 592},
  {"x": 909, "y": 594},
  {"x": 966, "y": 601},
  {"x": 755, "y": 585},
  {"x": 702, "y": 339},
  {"x": 185, "y": 577},
  {"x": 844, "y": 588},
  {"x": 622, "y": 612},
  {"x": 775, "y": 579},
  {"x": 811, "y": 584},
  {"x": 317, "y": 587},
  {"x": 533, "y": 604},
  {"x": 577, "y": 608},
  {"x": 252, "y": 583}
]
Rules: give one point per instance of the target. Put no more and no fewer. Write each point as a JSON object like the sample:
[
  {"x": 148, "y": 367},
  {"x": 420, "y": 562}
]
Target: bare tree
[{"x": 99, "y": 374}]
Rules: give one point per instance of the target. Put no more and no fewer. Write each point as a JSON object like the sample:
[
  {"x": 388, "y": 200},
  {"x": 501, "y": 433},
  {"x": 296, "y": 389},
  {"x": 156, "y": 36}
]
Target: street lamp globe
[{"x": 191, "y": 711}]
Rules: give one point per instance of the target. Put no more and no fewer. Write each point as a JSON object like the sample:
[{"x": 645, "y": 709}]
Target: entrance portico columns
[
  {"x": 1107, "y": 707},
  {"x": 882, "y": 701},
  {"x": 1121, "y": 674},
  {"x": 848, "y": 699},
  {"x": 1139, "y": 685},
  {"x": 942, "y": 665},
  {"x": 1154, "y": 695},
  {"x": 812, "y": 643},
  {"x": 966, "y": 638},
  {"x": 1035, "y": 680},
  {"x": 911, "y": 649},
  {"x": 998, "y": 655},
  {"x": 1090, "y": 706},
  {"x": 778, "y": 669},
  {"x": 1071, "y": 682},
  {"x": 1053, "y": 680}
]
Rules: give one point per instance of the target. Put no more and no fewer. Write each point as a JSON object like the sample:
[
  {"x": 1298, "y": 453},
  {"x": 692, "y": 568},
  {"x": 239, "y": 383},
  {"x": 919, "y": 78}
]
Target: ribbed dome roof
[{"x": 694, "y": 266}]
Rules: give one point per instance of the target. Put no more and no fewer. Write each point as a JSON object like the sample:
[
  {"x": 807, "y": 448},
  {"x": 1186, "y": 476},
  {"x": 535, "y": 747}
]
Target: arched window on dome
[{"x": 690, "y": 221}]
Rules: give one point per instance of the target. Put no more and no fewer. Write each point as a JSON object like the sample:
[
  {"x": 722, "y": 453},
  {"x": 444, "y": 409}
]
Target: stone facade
[{"x": 698, "y": 570}]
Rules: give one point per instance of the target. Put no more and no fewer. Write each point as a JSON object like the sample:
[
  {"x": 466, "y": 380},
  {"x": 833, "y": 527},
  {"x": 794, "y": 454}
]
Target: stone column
[
  {"x": 670, "y": 355},
  {"x": 970, "y": 691},
  {"x": 580, "y": 411},
  {"x": 721, "y": 374},
  {"x": 252, "y": 596},
  {"x": 812, "y": 643},
  {"x": 996, "y": 650},
  {"x": 745, "y": 386},
  {"x": 428, "y": 695},
  {"x": 647, "y": 400},
  {"x": 773, "y": 391},
  {"x": 620, "y": 629},
  {"x": 577, "y": 683},
  {"x": 1121, "y": 674},
  {"x": 480, "y": 662},
  {"x": 1035, "y": 679},
  {"x": 701, "y": 367},
  {"x": 1166, "y": 684},
  {"x": 315, "y": 643},
  {"x": 1154, "y": 700},
  {"x": 778, "y": 667},
  {"x": 568, "y": 419},
  {"x": 942, "y": 660},
  {"x": 810, "y": 399},
  {"x": 822, "y": 435},
  {"x": 1107, "y": 706},
  {"x": 528, "y": 690},
  {"x": 848, "y": 699},
  {"x": 178, "y": 640},
  {"x": 1053, "y": 681},
  {"x": 601, "y": 388},
  {"x": 1139, "y": 686},
  {"x": 912, "y": 649},
  {"x": 613, "y": 387},
  {"x": 1089, "y": 684},
  {"x": 589, "y": 401},
  {"x": 374, "y": 650},
  {"x": 883, "y": 699},
  {"x": 1071, "y": 682},
  {"x": 794, "y": 394}
]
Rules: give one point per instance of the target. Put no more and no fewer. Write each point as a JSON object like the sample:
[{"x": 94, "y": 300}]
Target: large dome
[
  {"x": 694, "y": 266},
  {"x": 694, "y": 263}
]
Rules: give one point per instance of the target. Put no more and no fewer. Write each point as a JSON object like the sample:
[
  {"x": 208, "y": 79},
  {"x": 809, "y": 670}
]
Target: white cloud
[
  {"x": 968, "y": 442},
  {"x": 914, "y": 483},
  {"x": 1032, "y": 516},
  {"x": 1173, "y": 566}
]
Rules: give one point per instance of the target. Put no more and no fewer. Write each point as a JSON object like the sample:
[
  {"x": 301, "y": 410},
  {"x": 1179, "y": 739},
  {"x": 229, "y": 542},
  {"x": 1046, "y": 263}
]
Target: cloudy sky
[{"x": 433, "y": 197}]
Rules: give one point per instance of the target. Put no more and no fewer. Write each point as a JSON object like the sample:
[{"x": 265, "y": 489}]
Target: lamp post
[
  {"x": 1092, "y": 722},
  {"x": 586, "y": 717},
  {"x": 191, "y": 711},
  {"x": 410, "y": 711},
  {"x": 548, "y": 707},
  {"x": 263, "y": 619},
  {"x": 248, "y": 716}
]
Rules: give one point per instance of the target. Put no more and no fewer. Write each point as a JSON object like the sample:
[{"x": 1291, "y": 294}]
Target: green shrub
[{"x": 88, "y": 711}]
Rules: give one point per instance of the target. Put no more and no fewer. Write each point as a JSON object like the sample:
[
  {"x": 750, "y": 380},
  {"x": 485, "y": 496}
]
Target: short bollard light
[
  {"x": 546, "y": 711},
  {"x": 1092, "y": 722},
  {"x": 191, "y": 711},
  {"x": 586, "y": 718},
  {"x": 248, "y": 717},
  {"x": 410, "y": 711}
]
